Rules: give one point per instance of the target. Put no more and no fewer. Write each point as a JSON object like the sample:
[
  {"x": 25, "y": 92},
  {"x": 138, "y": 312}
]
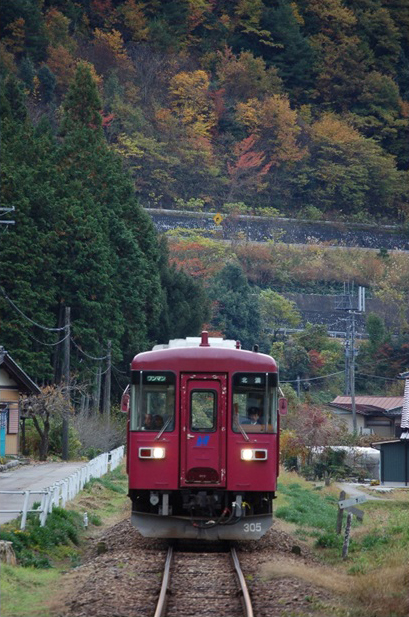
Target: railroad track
[{"x": 203, "y": 584}]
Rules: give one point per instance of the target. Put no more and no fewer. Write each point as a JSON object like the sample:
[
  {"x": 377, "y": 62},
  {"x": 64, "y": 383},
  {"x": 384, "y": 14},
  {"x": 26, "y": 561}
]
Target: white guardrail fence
[{"x": 62, "y": 491}]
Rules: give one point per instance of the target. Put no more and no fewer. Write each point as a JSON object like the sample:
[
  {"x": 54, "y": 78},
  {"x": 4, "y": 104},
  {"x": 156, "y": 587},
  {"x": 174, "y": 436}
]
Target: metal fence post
[{"x": 25, "y": 508}]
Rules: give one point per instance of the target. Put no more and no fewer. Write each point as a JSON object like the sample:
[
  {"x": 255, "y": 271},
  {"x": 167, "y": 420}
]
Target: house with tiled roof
[
  {"x": 378, "y": 415},
  {"x": 14, "y": 383}
]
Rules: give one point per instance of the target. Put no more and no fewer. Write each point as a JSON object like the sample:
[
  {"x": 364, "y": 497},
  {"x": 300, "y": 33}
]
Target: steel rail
[
  {"x": 248, "y": 609},
  {"x": 164, "y": 590}
]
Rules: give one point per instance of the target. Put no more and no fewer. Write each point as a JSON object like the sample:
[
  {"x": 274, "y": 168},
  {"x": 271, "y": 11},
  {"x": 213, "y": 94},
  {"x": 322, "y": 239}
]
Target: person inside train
[
  {"x": 148, "y": 425},
  {"x": 157, "y": 422},
  {"x": 253, "y": 416}
]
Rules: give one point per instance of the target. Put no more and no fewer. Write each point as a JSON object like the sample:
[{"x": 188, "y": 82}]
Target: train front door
[{"x": 203, "y": 434}]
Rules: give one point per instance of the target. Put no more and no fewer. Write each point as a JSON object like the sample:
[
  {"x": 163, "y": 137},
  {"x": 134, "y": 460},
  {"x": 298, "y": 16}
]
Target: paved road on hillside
[{"x": 34, "y": 477}]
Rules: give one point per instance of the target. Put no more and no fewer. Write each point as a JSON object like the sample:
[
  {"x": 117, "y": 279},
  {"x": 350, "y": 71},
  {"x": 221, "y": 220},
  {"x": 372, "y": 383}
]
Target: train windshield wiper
[
  {"x": 164, "y": 427},
  {"x": 243, "y": 432}
]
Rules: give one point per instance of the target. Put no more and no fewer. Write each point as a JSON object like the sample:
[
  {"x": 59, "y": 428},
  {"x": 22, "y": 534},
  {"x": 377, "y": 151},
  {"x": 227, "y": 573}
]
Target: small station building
[{"x": 14, "y": 383}]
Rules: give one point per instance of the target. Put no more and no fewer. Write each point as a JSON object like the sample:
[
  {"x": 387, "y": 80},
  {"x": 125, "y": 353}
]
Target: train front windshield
[
  {"x": 153, "y": 401},
  {"x": 255, "y": 402}
]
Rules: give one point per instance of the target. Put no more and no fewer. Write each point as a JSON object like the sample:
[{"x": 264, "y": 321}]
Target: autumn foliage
[{"x": 290, "y": 106}]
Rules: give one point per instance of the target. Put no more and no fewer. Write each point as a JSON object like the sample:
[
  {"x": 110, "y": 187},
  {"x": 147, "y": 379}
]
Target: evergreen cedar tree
[{"x": 81, "y": 240}]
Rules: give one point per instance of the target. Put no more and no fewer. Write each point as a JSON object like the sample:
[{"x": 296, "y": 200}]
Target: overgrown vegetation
[
  {"x": 373, "y": 579},
  {"x": 35, "y": 544},
  {"x": 61, "y": 537},
  {"x": 89, "y": 434},
  {"x": 44, "y": 554},
  {"x": 307, "y": 509}
]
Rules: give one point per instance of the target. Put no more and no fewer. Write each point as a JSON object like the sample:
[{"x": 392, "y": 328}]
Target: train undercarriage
[{"x": 202, "y": 514}]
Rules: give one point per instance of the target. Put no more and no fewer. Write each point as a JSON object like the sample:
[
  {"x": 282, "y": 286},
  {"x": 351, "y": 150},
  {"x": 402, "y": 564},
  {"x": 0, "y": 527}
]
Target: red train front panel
[
  {"x": 203, "y": 430},
  {"x": 202, "y": 445}
]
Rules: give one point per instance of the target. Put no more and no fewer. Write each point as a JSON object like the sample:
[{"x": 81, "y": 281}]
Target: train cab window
[
  {"x": 203, "y": 406},
  {"x": 152, "y": 401},
  {"x": 255, "y": 402}
]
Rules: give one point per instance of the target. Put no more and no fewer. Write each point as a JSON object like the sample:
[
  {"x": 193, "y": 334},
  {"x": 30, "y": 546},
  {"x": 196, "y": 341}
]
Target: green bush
[
  {"x": 34, "y": 543},
  {"x": 373, "y": 540},
  {"x": 32, "y": 440},
  {"x": 311, "y": 213},
  {"x": 329, "y": 540},
  {"x": 94, "y": 519}
]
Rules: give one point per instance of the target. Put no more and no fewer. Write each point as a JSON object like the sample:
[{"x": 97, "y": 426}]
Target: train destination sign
[{"x": 256, "y": 380}]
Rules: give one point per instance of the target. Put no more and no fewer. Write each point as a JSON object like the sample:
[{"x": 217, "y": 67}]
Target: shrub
[
  {"x": 98, "y": 435},
  {"x": 329, "y": 540},
  {"x": 311, "y": 213},
  {"x": 32, "y": 545}
]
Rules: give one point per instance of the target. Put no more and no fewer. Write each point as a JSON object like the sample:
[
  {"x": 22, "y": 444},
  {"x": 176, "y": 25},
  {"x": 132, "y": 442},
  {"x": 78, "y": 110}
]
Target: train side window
[
  {"x": 255, "y": 402},
  {"x": 203, "y": 406},
  {"x": 152, "y": 402}
]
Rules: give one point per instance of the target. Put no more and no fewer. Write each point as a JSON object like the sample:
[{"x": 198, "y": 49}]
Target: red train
[{"x": 203, "y": 440}]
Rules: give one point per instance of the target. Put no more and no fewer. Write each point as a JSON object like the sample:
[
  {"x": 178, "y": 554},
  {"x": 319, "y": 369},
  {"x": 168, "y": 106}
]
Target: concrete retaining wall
[{"x": 289, "y": 231}]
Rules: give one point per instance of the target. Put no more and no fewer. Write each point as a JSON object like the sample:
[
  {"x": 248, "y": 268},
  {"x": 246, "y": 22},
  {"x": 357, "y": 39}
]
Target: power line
[
  {"x": 312, "y": 378},
  {"x": 118, "y": 371},
  {"x": 378, "y": 377},
  {"x": 86, "y": 354},
  {"x": 28, "y": 318},
  {"x": 116, "y": 379},
  {"x": 47, "y": 344}
]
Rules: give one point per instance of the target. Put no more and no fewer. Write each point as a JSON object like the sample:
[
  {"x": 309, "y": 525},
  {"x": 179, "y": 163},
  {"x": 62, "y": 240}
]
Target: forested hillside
[{"x": 298, "y": 106}]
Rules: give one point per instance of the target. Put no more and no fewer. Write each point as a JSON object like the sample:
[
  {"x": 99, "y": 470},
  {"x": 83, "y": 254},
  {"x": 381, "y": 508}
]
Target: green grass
[
  {"x": 373, "y": 579},
  {"x": 314, "y": 513},
  {"x": 44, "y": 554},
  {"x": 383, "y": 537},
  {"x": 23, "y": 591},
  {"x": 115, "y": 481}
]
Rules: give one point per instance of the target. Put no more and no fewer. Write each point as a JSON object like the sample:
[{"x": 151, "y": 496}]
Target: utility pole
[
  {"x": 97, "y": 395},
  {"x": 344, "y": 303},
  {"x": 66, "y": 377},
  {"x": 347, "y": 357},
  {"x": 352, "y": 373},
  {"x": 107, "y": 386}
]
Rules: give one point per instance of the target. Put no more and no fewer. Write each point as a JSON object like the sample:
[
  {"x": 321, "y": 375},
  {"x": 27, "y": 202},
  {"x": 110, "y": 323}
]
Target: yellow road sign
[{"x": 218, "y": 218}]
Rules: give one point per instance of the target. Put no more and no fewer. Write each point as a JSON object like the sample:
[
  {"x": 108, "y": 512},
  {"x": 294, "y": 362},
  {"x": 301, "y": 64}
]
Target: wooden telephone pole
[{"x": 66, "y": 378}]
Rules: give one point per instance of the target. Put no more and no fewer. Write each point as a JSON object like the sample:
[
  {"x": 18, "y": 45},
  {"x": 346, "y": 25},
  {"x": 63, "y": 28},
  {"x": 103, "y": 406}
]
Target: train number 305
[{"x": 251, "y": 527}]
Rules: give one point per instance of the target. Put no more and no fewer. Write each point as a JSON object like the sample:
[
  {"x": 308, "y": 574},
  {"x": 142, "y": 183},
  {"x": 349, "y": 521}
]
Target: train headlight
[
  {"x": 253, "y": 455},
  {"x": 152, "y": 453},
  {"x": 158, "y": 452}
]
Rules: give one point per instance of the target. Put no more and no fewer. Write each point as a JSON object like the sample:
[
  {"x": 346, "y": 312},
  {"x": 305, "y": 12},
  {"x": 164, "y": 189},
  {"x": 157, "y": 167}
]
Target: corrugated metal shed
[{"x": 394, "y": 464}]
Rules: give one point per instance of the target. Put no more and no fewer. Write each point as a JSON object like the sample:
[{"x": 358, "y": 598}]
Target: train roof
[
  {"x": 203, "y": 354},
  {"x": 195, "y": 341}
]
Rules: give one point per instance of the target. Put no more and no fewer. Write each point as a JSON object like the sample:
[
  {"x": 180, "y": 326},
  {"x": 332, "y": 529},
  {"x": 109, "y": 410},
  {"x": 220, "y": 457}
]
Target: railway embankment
[{"x": 286, "y": 230}]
